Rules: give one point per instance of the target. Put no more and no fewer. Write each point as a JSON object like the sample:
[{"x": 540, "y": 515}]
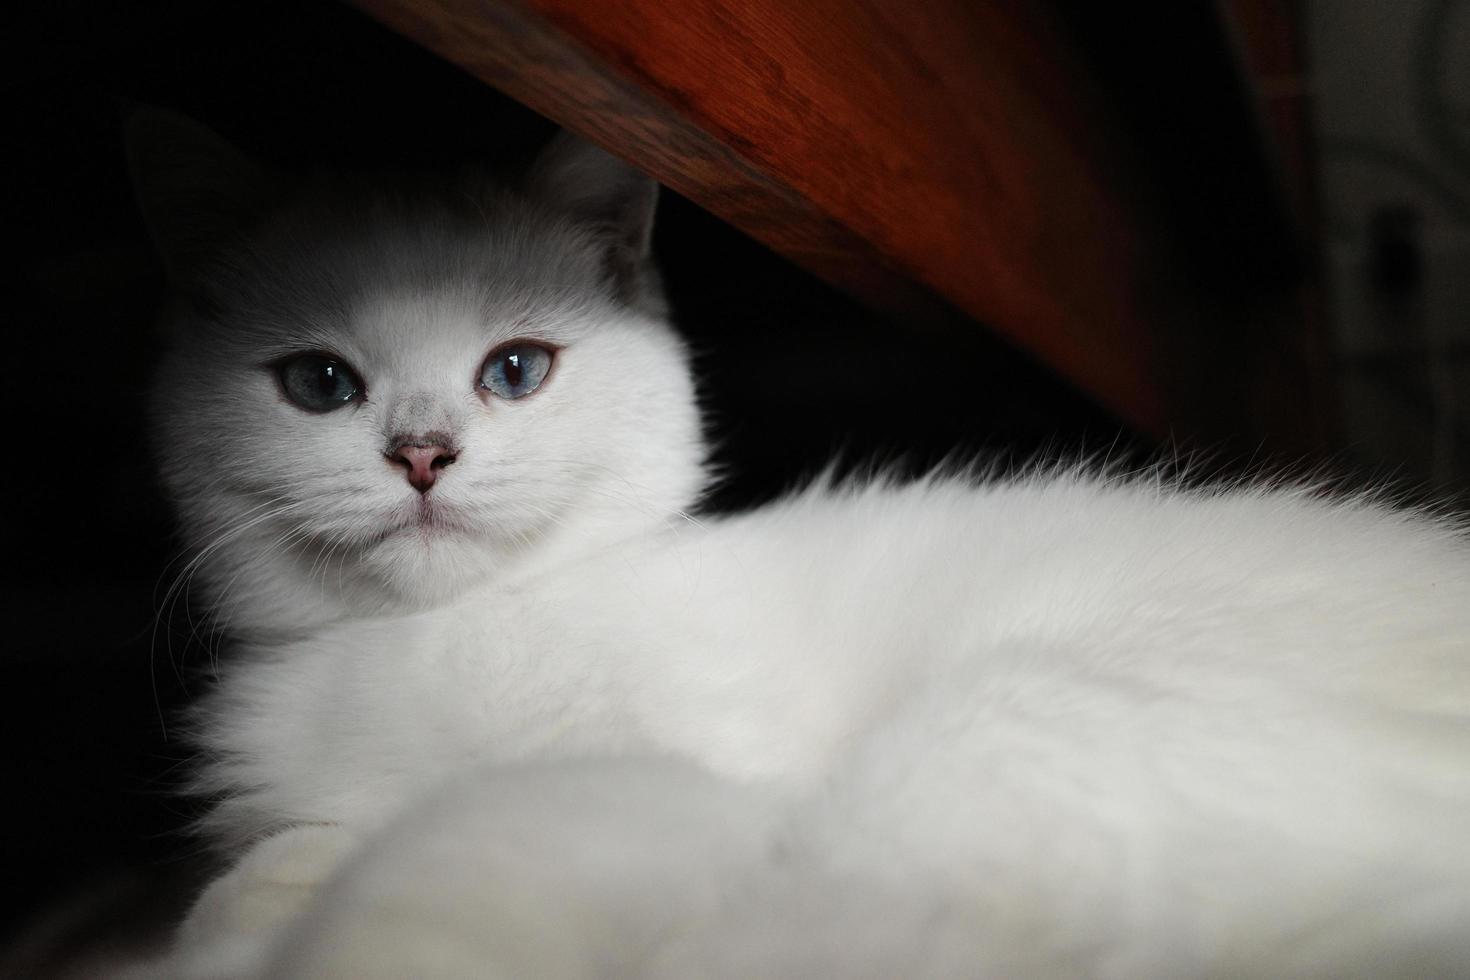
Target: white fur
[{"x": 1061, "y": 725}]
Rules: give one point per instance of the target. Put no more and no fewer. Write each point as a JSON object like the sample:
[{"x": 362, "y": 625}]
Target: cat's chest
[
  {"x": 650, "y": 659},
  {"x": 501, "y": 677}
]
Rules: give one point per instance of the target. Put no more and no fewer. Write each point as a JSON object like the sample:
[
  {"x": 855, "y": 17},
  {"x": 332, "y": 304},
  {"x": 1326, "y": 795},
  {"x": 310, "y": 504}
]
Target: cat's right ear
[{"x": 196, "y": 191}]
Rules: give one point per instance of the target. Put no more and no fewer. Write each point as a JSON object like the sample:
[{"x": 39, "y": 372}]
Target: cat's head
[{"x": 373, "y": 399}]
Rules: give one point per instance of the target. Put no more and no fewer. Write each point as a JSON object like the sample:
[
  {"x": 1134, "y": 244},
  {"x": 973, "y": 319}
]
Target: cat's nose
[{"x": 422, "y": 459}]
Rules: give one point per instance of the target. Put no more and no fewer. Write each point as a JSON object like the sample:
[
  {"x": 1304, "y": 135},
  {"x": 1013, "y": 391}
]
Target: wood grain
[{"x": 945, "y": 161}]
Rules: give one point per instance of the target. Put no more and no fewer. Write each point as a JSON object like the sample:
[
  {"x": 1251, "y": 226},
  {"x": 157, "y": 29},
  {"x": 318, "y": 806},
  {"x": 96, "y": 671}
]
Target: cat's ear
[
  {"x": 604, "y": 193},
  {"x": 196, "y": 191}
]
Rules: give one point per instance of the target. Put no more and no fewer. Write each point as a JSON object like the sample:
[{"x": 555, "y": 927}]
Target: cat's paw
[{"x": 234, "y": 925}]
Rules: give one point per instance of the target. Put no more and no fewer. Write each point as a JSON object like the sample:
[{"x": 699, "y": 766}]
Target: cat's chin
[{"x": 423, "y": 566}]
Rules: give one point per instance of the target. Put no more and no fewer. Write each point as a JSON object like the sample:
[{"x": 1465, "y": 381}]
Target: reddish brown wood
[
  {"x": 1271, "y": 44},
  {"x": 940, "y": 159}
]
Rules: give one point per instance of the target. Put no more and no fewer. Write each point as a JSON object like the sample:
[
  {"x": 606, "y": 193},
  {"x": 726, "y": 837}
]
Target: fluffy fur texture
[{"x": 540, "y": 722}]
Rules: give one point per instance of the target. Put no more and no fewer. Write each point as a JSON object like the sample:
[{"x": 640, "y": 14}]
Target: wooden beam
[{"x": 946, "y": 161}]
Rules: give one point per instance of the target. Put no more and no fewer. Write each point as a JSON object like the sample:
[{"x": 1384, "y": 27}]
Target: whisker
[{"x": 178, "y": 590}]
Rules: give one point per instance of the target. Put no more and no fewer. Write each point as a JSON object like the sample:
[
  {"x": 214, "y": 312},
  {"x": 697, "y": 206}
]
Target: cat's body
[
  {"x": 1127, "y": 733},
  {"x": 518, "y": 714}
]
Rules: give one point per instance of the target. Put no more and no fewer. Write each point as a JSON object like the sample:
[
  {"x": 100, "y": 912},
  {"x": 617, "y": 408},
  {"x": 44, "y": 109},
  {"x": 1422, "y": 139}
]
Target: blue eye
[
  {"x": 317, "y": 383},
  {"x": 515, "y": 370}
]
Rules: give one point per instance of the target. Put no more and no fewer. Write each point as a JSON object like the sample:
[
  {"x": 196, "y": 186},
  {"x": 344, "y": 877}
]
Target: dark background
[{"x": 792, "y": 372}]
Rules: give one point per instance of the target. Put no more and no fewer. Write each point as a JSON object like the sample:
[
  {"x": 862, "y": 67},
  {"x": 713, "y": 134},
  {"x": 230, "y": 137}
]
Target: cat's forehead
[
  {"x": 407, "y": 325},
  {"x": 431, "y": 284}
]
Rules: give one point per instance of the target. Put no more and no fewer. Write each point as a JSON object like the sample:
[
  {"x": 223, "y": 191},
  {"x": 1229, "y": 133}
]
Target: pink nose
[{"x": 423, "y": 462}]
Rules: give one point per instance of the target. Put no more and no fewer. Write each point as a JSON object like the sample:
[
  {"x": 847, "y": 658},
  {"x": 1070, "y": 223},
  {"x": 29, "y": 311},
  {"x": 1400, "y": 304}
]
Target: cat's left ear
[
  {"x": 601, "y": 191},
  {"x": 196, "y": 191}
]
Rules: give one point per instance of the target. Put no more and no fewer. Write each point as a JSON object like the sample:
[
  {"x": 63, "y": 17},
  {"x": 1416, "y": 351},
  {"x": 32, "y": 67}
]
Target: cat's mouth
[{"x": 426, "y": 517}]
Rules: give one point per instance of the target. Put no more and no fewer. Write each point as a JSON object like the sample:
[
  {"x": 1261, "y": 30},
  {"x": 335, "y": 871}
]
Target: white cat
[{"x": 496, "y": 705}]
